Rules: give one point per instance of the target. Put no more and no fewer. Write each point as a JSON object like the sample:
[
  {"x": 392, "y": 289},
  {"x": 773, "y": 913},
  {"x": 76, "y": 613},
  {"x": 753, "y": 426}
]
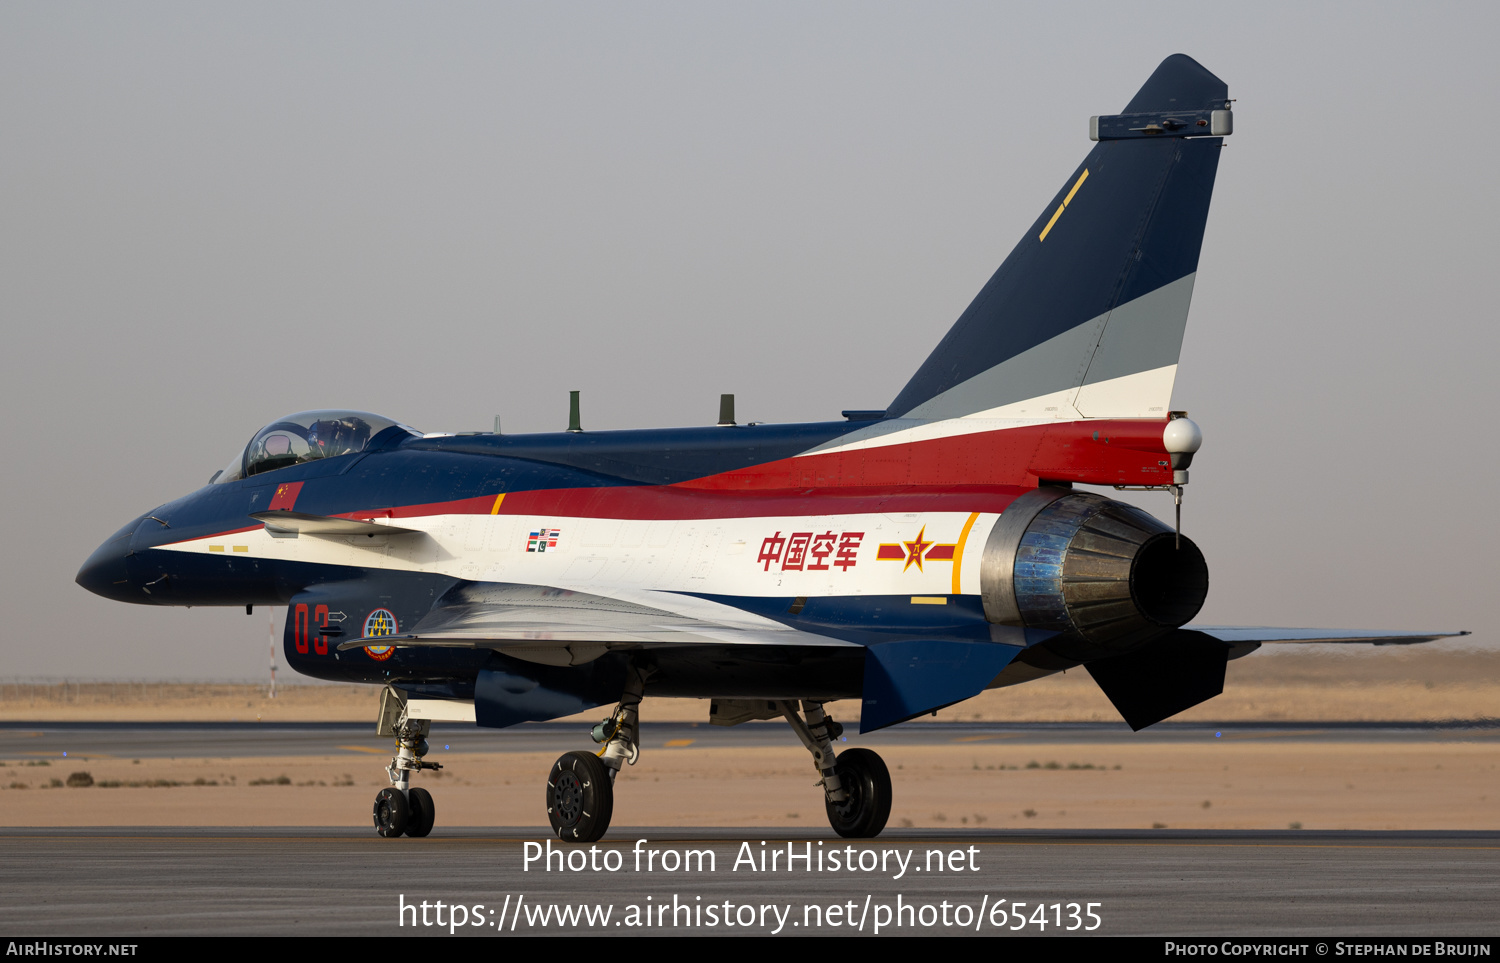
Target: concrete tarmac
[{"x": 123, "y": 882}]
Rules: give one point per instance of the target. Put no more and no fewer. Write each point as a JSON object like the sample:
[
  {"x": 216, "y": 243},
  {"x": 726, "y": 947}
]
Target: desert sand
[
  {"x": 1445, "y": 680},
  {"x": 1247, "y": 780},
  {"x": 1253, "y": 783}
]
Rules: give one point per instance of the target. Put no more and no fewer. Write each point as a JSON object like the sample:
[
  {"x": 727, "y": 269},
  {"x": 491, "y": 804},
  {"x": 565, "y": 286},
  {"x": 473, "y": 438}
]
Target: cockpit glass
[{"x": 306, "y": 436}]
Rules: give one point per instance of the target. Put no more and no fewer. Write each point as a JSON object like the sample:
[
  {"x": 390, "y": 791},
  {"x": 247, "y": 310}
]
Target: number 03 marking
[{"x": 302, "y": 634}]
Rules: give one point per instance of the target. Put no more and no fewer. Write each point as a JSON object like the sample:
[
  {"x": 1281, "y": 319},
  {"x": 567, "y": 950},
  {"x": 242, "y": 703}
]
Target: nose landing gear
[{"x": 402, "y": 809}]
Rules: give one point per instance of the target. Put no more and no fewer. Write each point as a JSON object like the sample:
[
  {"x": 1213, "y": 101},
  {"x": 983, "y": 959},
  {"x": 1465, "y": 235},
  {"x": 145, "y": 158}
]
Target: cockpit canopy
[{"x": 306, "y": 436}]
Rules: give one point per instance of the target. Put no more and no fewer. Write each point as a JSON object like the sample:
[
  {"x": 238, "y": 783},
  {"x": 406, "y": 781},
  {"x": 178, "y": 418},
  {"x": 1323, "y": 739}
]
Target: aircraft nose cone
[{"x": 106, "y": 573}]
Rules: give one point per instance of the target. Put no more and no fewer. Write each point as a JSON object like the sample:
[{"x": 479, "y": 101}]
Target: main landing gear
[
  {"x": 403, "y": 809},
  {"x": 580, "y": 788},
  {"x": 581, "y": 785},
  {"x": 856, "y": 783}
]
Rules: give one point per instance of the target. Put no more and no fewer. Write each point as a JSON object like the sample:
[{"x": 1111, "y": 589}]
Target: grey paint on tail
[{"x": 1143, "y": 335}]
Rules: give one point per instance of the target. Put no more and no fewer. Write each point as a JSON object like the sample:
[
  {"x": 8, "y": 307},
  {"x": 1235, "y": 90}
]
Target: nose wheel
[
  {"x": 410, "y": 815},
  {"x": 422, "y": 813},
  {"x": 391, "y": 813}
]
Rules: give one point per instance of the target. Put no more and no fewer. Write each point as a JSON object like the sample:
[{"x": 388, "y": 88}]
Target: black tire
[
  {"x": 391, "y": 813},
  {"x": 422, "y": 813},
  {"x": 868, "y": 782},
  {"x": 580, "y": 797}
]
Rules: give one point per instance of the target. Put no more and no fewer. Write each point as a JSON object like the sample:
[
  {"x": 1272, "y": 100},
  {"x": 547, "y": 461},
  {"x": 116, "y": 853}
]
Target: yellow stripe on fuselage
[{"x": 958, "y": 550}]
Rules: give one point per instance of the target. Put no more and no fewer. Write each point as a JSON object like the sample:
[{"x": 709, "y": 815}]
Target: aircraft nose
[{"x": 106, "y": 572}]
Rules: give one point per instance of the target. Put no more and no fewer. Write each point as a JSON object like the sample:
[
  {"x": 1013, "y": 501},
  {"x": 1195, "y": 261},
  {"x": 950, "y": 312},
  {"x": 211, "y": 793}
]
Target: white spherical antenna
[{"x": 1182, "y": 436}]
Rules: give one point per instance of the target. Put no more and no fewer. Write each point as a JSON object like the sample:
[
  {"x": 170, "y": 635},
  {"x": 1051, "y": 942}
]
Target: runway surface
[
  {"x": 123, "y": 881},
  {"x": 231, "y": 740},
  {"x": 138, "y": 882}
]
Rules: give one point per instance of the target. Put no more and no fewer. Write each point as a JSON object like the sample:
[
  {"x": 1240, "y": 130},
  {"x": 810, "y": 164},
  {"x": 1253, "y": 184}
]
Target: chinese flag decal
[{"x": 286, "y": 496}]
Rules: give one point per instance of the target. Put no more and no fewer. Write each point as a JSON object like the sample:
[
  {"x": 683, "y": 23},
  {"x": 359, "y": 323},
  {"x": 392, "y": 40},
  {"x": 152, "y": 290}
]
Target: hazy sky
[{"x": 215, "y": 214}]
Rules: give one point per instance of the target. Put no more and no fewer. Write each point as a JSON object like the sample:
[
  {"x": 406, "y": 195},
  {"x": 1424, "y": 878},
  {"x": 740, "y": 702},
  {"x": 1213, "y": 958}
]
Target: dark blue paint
[
  {"x": 656, "y": 456},
  {"x": 1136, "y": 224},
  {"x": 1180, "y": 82},
  {"x": 508, "y": 691},
  {"x": 906, "y": 679}
]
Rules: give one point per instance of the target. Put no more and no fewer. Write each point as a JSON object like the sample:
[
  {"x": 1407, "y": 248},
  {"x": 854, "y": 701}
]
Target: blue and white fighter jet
[{"x": 909, "y": 558}]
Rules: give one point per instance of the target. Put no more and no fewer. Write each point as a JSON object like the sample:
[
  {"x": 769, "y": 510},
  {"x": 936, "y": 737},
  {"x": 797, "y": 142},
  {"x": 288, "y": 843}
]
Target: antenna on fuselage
[
  {"x": 497, "y": 424},
  {"x": 574, "y": 424},
  {"x": 1182, "y": 439},
  {"x": 726, "y": 411}
]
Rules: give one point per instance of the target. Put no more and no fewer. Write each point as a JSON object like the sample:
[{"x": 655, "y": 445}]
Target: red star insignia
[{"x": 914, "y": 550}]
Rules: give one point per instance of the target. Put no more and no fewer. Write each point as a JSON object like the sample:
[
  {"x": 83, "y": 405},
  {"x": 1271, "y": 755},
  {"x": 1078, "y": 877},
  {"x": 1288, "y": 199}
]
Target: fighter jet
[{"x": 909, "y": 558}]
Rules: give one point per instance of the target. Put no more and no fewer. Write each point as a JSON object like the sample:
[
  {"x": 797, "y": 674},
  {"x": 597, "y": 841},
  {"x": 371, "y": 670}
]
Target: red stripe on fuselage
[
  {"x": 671, "y": 502},
  {"x": 1117, "y": 452},
  {"x": 664, "y": 502}
]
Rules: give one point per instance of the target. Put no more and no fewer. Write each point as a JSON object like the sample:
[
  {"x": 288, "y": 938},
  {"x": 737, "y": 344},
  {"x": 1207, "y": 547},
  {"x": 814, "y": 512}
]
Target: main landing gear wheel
[
  {"x": 580, "y": 797},
  {"x": 421, "y": 812},
  {"x": 391, "y": 813},
  {"x": 868, "y": 782}
]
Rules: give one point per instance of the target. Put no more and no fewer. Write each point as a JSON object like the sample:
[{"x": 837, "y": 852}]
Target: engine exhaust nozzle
[{"x": 1091, "y": 567}]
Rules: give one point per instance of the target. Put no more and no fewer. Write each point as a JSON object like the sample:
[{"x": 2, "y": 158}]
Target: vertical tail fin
[{"x": 1085, "y": 317}]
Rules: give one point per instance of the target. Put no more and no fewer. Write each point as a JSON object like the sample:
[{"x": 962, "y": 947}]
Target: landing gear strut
[
  {"x": 580, "y": 787},
  {"x": 856, "y": 783},
  {"x": 401, "y": 808}
]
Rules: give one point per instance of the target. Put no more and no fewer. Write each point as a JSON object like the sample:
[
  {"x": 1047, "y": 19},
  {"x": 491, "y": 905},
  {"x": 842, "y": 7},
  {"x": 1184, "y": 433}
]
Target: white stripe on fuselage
[
  {"x": 651, "y": 561},
  {"x": 1115, "y": 398}
]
